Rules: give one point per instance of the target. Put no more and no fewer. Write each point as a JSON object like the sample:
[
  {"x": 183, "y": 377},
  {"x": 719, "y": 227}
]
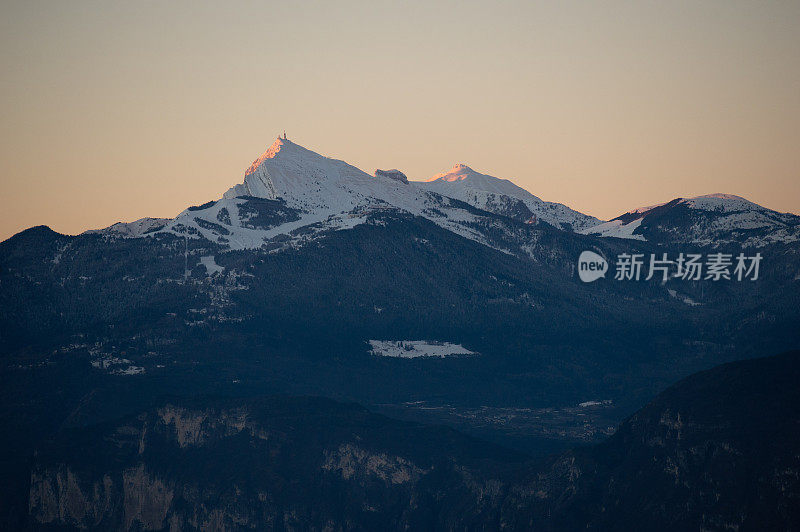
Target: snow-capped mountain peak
[
  {"x": 293, "y": 194},
  {"x": 722, "y": 203},
  {"x": 720, "y": 195},
  {"x": 297, "y": 174},
  {"x": 711, "y": 219},
  {"x": 466, "y": 176},
  {"x": 272, "y": 152},
  {"x": 458, "y": 172},
  {"x": 395, "y": 174},
  {"x": 504, "y": 197}
]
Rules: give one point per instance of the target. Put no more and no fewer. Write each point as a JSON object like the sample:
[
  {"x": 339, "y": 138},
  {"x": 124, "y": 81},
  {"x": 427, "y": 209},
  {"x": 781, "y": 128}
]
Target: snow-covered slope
[
  {"x": 616, "y": 228},
  {"x": 710, "y": 220},
  {"x": 502, "y": 196},
  {"x": 724, "y": 203},
  {"x": 291, "y": 195},
  {"x": 133, "y": 229}
]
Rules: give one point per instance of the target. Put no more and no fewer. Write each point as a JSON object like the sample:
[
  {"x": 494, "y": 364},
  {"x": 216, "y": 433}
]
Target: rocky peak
[{"x": 397, "y": 175}]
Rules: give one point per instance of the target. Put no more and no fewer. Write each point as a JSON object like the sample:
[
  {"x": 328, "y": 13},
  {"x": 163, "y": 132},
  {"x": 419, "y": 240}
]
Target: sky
[{"x": 113, "y": 111}]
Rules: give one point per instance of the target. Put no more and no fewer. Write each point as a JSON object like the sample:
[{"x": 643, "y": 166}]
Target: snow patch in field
[
  {"x": 211, "y": 265},
  {"x": 685, "y": 299},
  {"x": 130, "y": 370},
  {"x": 416, "y": 349},
  {"x": 116, "y": 365},
  {"x": 587, "y": 404}
]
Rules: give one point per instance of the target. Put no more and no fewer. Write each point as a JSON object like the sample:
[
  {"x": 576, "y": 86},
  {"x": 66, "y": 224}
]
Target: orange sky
[{"x": 111, "y": 111}]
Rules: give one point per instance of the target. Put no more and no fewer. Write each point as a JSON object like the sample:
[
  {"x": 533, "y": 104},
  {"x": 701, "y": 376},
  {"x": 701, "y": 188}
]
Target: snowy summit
[
  {"x": 709, "y": 220},
  {"x": 495, "y": 194},
  {"x": 290, "y": 187}
]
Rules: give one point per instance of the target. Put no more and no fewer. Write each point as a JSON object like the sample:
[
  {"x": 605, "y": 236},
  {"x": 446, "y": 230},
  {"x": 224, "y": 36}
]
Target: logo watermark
[
  {"x": 685, "y": 267},
  {"x": 591, "y": 266}
]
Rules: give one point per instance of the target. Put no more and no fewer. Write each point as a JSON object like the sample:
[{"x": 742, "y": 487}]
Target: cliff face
[
  {"x": 720, "y": 450},
  {"x": 716, "y": 451},
  {"x": 293, "y": 463},
  {"x": 134, "y": 496}
]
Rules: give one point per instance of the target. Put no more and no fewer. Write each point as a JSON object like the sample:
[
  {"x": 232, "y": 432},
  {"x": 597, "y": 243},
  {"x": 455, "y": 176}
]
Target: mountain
[
  {"x": 713, "y": 220},
  {"x": 501, "y": 196},
  {"x": 264, "y": 463},
  {"x": 287, "y": 282},
  {"x": 716, "y": 451},
  {"x": 135, "y": 229},
  {"x": 291, "y": 196},
  {"x": 312, "y": 277}
]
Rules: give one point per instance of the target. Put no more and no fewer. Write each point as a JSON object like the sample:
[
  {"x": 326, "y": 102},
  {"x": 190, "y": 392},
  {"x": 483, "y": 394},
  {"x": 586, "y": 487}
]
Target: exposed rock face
[
  {"x": 397, "y": 175},
  {"x": 350, "y": 460},
  {"x": 716, "y": 451},
  {"x": 134, "y": 497},
  {"x": 197, "y": 427},
  {"x": 293, "y": 463},
  {"x": 56, "y": 496},
  {"x": 145, "y": 498}
]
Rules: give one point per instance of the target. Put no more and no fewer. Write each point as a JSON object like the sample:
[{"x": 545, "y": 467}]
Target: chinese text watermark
[{"x": 686, "y": 267}]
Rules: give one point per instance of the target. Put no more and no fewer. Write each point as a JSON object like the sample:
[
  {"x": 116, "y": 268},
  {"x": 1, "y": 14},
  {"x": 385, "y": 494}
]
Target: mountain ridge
[
  {"x": 317, "y": 194},
  {"x": 503, "y": 197},
  {"x": 296, "y": 195},
  {"x": 709, "y": 220}
]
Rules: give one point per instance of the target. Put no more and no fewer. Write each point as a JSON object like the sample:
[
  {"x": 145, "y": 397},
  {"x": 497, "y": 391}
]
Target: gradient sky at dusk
[{"x": 112, "y": 111}]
